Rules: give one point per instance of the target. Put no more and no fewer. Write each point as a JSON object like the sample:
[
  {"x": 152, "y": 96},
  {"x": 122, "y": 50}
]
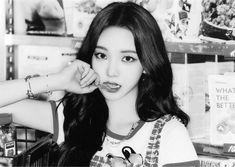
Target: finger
[
  {"x": 97, "y": 80},
  {"x": 92, "y": 80},
  {"x": 89, "y": 89},
  {"x": 84, "y": 69},
  {"x": 78, "y": 76},
  {"x": 84, "y": 81}
]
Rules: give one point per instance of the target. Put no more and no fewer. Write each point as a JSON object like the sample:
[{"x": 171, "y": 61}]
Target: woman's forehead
[{"x": 117, "y": 37}]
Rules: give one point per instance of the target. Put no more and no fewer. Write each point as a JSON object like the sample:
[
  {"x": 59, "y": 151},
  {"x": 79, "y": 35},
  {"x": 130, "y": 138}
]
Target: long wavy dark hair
[{"x": 86, "y": 114}]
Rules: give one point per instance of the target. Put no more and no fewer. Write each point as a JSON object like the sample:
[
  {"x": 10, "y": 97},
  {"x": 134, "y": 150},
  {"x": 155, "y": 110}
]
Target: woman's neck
[{"x": 122, "y": 112}]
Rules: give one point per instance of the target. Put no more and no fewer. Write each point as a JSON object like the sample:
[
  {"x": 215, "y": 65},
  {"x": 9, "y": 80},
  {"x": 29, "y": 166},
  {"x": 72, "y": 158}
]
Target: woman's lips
[{"x": 110, "y": 86}]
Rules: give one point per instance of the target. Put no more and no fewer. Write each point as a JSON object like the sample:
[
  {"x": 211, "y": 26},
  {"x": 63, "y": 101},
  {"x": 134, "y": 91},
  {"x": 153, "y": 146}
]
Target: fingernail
[
  {"x": 83, "y": 86},
  {"x": 96, "y": 83},
  {"x": 82, "y": 83}
]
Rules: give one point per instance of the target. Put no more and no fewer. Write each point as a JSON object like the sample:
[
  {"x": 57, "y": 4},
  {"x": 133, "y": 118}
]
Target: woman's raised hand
[{"x": 78, "y": 77}]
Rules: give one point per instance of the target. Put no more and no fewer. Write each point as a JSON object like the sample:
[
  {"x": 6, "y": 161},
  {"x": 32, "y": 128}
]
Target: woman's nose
[{"x": 112, "y": 69}]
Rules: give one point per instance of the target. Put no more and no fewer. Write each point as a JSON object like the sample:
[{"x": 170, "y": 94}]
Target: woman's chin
[{"x": 110, "y": 96}]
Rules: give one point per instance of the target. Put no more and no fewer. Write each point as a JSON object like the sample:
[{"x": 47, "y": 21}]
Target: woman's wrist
[
  {"x": 45, "y": 84},
  {"x": 55, "y": 82},
  {"x": 42, "y": 84}
]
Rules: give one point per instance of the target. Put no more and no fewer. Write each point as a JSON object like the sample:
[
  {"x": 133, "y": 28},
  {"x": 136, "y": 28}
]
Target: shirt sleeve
[
  {"x": 55, "y": 120},
  {"x": 176, "y": 145}
]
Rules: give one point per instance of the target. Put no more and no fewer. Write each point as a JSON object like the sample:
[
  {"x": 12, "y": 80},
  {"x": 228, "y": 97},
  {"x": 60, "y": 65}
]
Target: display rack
[
  {"x": 6, "y": 50},
  {"x": 43, "y": 40},
  {"x": 2, "y": 41},
  {"x": 225, "y": 49}
]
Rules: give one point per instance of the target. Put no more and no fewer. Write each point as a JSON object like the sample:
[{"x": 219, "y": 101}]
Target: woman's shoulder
[
  {"x": 174, "y": 132},
  {"x": 172, "y": 123},
  {"x": 164, "y": 122},
  {"x": 175, "y": 140}
]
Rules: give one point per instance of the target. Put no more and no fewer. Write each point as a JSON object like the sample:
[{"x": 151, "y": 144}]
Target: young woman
[{"x": 132, "y": 119}]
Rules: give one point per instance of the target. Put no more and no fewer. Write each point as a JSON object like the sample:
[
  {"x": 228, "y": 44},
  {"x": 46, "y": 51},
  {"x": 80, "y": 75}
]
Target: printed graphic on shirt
[{"x": 129, "y": 158}]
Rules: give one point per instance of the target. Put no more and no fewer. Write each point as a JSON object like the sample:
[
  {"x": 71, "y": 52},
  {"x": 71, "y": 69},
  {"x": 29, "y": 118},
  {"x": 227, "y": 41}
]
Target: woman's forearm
[
  {"x": 76, "y": 78},
  {"x": 16, "y": 90},
  {"x": 31, "y": 113}
]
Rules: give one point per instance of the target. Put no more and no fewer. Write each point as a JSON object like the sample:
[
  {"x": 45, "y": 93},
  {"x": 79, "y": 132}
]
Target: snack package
[
  {"x": 7, "y": 136},
  {"x": 218, "y": 20}
]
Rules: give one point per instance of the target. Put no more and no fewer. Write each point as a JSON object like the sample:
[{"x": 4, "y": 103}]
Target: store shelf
[
  {"x": 181, "y": 47},
  {"x": 42, "y": 40},
  {"x": 227, "y": 50}
]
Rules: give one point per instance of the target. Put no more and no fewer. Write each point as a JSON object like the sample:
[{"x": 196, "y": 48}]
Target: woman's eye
[
  {"x": 100, "y": 56},
  {"x": 128, "y": 59}
]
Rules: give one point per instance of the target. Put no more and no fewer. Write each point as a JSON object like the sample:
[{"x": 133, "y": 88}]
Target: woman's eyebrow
[
  {"x": 128, "y": 51},
  {"x": 123, "y": 51},
  {"x": 101, "y": 47}
]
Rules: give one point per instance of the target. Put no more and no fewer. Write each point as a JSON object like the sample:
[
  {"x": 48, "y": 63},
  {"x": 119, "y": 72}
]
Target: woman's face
[{"x": 116, "y": 62}]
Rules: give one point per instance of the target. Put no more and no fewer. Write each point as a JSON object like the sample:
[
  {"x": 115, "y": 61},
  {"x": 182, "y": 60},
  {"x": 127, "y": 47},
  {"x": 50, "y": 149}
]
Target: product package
[
  {"x": 7, "y": 136},
  {"x": 209, "y": 161},
  {"x": 222, "y": 112},
  {"x": 214, "y": 64}
]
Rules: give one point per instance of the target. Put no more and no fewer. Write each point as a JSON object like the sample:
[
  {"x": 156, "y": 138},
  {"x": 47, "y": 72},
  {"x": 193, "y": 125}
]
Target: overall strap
[
  {"x": 152, "y": 152},
  {"x": 55, "y": 120}
]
